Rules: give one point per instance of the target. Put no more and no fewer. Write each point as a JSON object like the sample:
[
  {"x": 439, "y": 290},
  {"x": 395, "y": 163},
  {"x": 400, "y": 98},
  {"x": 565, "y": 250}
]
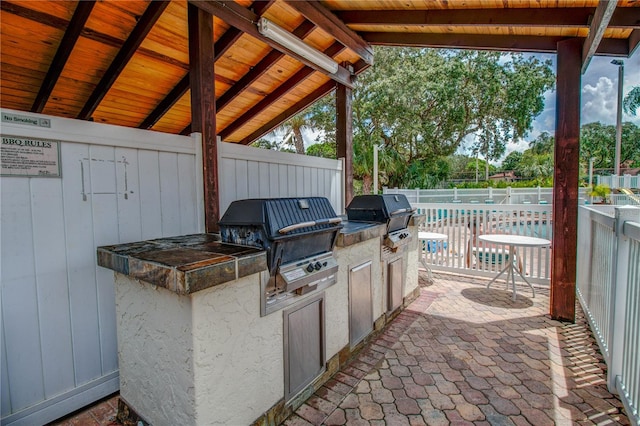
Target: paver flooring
[
  {"x": 460, "y": 354},
  {"x": 463, "y": 354}
]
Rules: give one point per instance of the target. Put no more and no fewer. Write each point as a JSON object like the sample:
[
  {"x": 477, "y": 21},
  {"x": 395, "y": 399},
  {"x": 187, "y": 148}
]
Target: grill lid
[
  {"x": 282, "y": 217},
  {"x": 378, "y": 208}
]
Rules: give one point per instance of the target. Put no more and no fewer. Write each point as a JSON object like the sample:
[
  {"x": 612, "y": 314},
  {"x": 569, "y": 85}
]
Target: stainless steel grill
[{"x": 298, "y": 234}]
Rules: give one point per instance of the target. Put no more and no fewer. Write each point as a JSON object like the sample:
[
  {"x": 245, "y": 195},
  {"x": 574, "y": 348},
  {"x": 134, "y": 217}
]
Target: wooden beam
[
  {"x": 323, "y": 18},
  {"x": 299, "y": 106},
  {"x": 137, "y": 36},
  {"x": 567, "y": 17},
  {"x": 203, "y": 107},
  {"x": 276, "y": 94},
  {"x": 344, "y": 137},
  {"x": 244, "y": 19},
  {"x": 634, "y": 40},
  {"x": 601, "y": 19},
  {"x": 68, "y": 42},
  {"x": 165, "y": 105},
  {"x": 566, "y": 172},
  {"x": 260, "y": 68},
  {"x": 510, "y": 43}
]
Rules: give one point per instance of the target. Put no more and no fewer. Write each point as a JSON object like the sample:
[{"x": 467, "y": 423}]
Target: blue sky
[{"x": 599, "y": 96}]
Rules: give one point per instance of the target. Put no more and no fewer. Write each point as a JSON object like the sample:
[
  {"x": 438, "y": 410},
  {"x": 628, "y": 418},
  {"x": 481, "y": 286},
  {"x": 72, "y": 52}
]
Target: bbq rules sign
[{"x": 30, "y": 157}]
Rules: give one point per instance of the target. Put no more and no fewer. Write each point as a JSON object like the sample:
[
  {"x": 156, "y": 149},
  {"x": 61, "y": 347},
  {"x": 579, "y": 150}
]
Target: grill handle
[
  {"x": 295, "y": 226},
  {"x": 399, "y": 211}
]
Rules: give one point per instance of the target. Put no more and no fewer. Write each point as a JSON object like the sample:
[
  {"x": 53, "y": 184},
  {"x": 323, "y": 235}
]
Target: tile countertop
[
  {"x": 190, "y": 263},
  {"x": 183, "y": 264}
]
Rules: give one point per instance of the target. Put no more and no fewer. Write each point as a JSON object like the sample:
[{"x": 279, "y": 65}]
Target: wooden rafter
[
  {"x": 276, "y": 94},
  {"x": 145, "y": 24},
  {"x": 260, "y": 68},
  {"x": 299, "y": 106},
  {"x": 326, "y": 20},
  {"x": 613, "y": 47},
  {"x": 634, "y": 40},
  {"x": 577, "y": 17},
  {"x": 245, "y": 19},
  {"x": 68, "y": 42},
  {"x": 601, "y": 19}
]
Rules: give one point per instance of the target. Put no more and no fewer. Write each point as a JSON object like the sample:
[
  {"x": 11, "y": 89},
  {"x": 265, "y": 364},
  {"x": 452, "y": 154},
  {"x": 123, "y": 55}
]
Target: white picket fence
[
  {"x": 455, "y": 254},
  {"x": 608, "y": 287}
]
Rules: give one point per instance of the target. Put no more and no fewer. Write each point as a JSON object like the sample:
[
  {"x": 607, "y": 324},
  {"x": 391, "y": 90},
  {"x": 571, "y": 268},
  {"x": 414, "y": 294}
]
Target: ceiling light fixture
[{"x": 293, "y": 43}]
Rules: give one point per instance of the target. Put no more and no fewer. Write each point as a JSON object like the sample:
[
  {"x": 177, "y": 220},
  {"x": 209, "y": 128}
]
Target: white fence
[
  {"x": 615, "y": 181},
  {"x": 118, "y": 185},
  {"x": 457, "y": 255},
  {"x": 608, "y": 286},
  {"x": 59, "y": 349},
  {"x": 247, "y": 172},
  {"x": 507, "y": 195}
]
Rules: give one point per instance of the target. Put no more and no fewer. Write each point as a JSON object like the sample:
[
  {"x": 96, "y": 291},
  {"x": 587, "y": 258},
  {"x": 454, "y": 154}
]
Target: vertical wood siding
[{"x": 58, "y": 306}]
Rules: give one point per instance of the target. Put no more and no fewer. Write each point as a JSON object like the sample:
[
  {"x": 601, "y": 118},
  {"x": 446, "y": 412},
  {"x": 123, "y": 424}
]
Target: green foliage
[
  {"x": 325, "y": 150},
  {"x": 601, "y": 191},
  {"x": 512, "y": 160},
  {"x": 598, "y": 141},
  {"x": 631, "y": 102},
  {"x": 276, "y": 145}
]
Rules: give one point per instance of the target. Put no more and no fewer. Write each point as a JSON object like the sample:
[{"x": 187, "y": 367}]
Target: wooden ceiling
[{"x": 127, "y": 62}]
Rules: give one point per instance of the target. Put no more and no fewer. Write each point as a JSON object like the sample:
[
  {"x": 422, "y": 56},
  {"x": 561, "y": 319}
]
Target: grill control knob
[
  {"x": 318, "y": 265},
  {"x": 324, "y": 263},
  {"x": 310, "y": 268}
]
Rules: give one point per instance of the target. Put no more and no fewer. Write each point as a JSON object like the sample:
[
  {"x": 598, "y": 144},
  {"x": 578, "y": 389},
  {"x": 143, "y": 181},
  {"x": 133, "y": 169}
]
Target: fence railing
[
  {"x": 608, "y": 287},
  {"x": 615, "y": 181},
  {"x": 460, "y": 252},
  {"x": 507, "y": 195}
]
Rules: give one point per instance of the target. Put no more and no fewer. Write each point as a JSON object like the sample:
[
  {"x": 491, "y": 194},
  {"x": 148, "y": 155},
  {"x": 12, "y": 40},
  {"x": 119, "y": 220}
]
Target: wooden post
[
  {"x": 203, "y": 107},
  {"x": 565, "y": 193},
  {"x": 344, "y": 137}
]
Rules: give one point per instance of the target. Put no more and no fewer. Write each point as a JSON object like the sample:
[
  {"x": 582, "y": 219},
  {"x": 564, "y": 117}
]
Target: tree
[
  {"x": 512, "y": 161},
  {"x": 325, "y": 150},
  {"x": 632, "y": 101},
  {"x": 419, "y": 104},
  {"x": 598, "y": 141}
]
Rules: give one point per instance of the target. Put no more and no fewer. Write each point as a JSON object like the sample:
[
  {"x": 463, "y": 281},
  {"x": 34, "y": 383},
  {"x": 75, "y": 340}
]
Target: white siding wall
[{"x": 58, "y": 307}]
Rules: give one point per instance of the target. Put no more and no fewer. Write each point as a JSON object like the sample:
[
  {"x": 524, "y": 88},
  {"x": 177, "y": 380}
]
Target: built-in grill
[
  {"x": 395, "y": 211},
  {"x": 392, "y": 209},
  {"x": 298, "y": 234}
]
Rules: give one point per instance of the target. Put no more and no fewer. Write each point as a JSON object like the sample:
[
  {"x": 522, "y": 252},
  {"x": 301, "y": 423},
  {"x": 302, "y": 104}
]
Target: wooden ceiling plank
[
  {"x": 312, "y": 97},
  {"x": 260, "y": 68},
  {"x": 80, "y": 16},
  {"x": 299, "y": 106},
  {"x": 330, "y": 23},
  {"x": 276, "y": 94},
  {"x": 232, "y": 34},
  {"x": 245, "y": 20},
  {"x": 165, "y": 105},
  {"x": 266, "y": 101},
  {"x": 601, "y": 19},
  {"x": 145, "y": 24}
]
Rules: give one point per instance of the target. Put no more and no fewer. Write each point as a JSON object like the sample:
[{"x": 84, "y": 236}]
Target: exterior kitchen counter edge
[{"x": 183, "y": 264}]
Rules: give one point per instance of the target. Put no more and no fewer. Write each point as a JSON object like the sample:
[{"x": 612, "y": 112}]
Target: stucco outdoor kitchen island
[{"x": 194, "y": 347}]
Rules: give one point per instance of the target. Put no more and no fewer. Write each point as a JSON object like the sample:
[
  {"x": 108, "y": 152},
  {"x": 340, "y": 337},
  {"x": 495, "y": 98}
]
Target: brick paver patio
[
  {"x": 460, "y": 354},
  {"x": 463, "y": 354}
]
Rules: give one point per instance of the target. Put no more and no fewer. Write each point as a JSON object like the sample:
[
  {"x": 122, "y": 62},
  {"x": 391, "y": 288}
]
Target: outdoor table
[
  {"x": 513, "y": 241},
  {"x": 425, "y": 237}
]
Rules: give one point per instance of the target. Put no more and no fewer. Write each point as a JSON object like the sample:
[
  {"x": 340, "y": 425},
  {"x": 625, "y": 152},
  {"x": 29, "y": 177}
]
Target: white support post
[
  {"x": 508, "y": 195},
  {"x": 620, "y": 281},
  {"x": 375, "y": 169}
]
